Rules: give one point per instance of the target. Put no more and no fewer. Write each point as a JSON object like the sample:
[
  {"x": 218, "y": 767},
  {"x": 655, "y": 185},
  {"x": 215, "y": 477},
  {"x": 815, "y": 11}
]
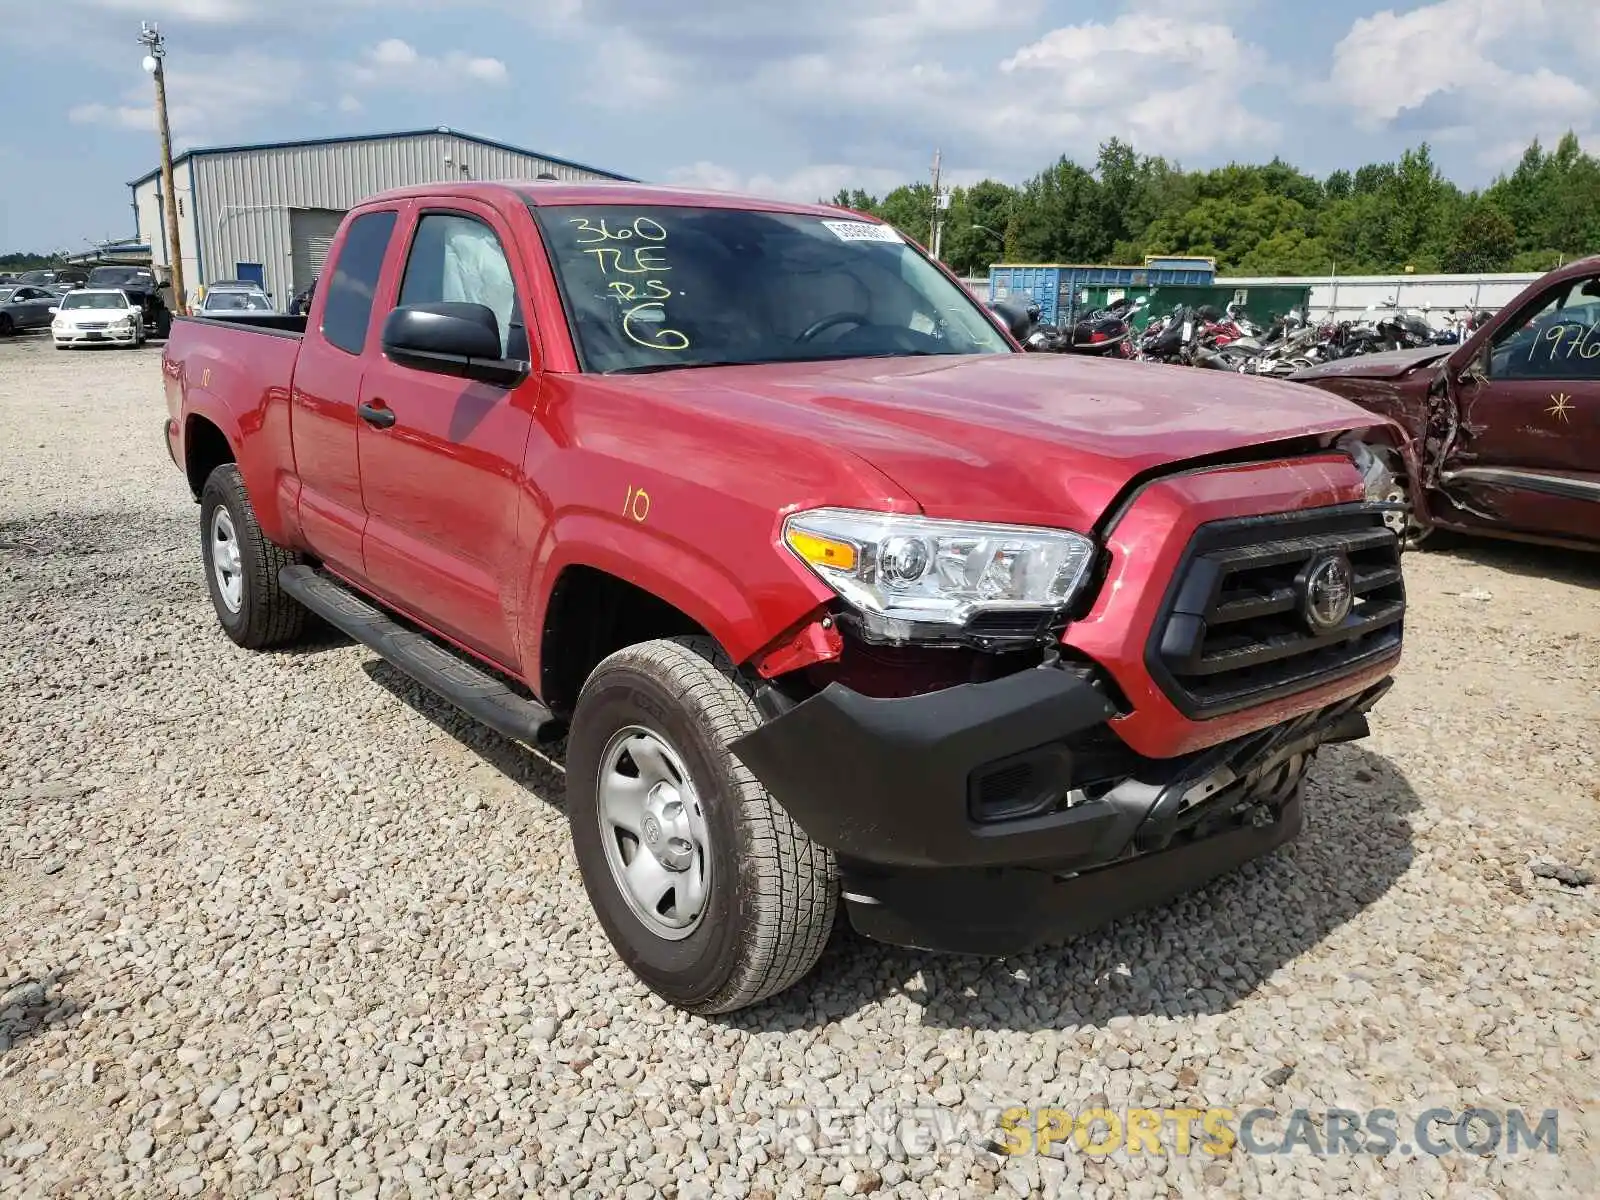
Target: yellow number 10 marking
[{"x": 637, "y": 505}]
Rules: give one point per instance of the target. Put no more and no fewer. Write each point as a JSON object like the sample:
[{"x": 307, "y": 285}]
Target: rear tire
[
  {"x": 770, "y": 892},
  {"x": 6, "y": 327},
  {"x": 253, "y": 610}
]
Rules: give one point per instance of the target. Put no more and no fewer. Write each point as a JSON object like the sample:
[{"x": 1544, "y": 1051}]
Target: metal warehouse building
[{"x": 269, "y": 212}]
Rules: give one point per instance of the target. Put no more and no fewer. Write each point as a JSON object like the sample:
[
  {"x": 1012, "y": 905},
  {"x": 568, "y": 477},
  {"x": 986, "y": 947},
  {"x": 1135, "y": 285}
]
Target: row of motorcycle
[{"x": 1227, "y": 340}]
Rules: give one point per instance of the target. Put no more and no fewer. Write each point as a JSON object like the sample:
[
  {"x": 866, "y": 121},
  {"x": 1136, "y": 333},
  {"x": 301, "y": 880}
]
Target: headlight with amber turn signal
[{"x": 921, "y": 579}]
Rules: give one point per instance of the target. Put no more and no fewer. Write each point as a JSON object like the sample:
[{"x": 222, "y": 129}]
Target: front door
[
  {"x": 441, "y": 474},
  {"x": 1528, "y": 453},
  {"x": 30, "y": 306}
]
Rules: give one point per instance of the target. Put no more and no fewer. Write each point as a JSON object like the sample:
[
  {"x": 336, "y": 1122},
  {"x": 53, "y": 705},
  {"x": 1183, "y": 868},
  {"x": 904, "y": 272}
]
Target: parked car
[
  {"x": 24, "y": 307},
  {"x": 140, "y": 285},
  {"x": 839, "y": 597},
  {"x": 229, "y": 302},
  {"x": 96, "y": 316},
  {"x": 1505, "y": 426},
  {"x": 62, "y": 280}
]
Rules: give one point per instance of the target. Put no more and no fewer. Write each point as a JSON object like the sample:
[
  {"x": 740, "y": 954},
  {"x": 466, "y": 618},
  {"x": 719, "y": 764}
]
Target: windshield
[
  {"x": 236, "y": 302},
  {"x": 657, "y": 287},
  {"x": 6, "y": 293},
  {"x": 116, "y": 276},
  {"x": 35, "y": 277},
  {"x": 94, "y": 300}
]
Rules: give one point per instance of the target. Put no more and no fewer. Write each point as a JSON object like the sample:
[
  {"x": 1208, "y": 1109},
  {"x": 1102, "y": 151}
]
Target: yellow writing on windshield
[{"x": 642, "y": 302}]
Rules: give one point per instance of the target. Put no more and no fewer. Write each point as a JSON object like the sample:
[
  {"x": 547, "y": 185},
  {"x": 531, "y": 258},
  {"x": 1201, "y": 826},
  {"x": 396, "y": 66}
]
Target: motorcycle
[
  {"x": 1170, "y": 339},
  {"x": 1106, "y": 332}
]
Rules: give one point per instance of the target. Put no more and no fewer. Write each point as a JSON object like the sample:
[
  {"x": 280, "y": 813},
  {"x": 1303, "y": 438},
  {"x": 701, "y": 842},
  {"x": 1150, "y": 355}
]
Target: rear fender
[{"x": 264, "y": 480}]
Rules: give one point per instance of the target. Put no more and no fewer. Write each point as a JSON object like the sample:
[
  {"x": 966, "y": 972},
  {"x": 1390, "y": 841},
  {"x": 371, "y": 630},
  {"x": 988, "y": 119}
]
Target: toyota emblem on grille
[{"x": 1327, "y": 591}]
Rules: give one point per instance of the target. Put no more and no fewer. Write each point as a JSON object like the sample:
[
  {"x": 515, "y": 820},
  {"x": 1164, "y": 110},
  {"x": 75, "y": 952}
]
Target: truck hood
[
  {"x": 1389, "y": 365},
  {"x": 1040, "y": 439}
]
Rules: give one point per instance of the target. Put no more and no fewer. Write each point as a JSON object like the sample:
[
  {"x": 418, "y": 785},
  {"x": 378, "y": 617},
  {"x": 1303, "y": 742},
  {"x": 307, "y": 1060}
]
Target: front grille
[
  {"x": 92, "y": 326},
  {"x": 1232, "y": 632}
]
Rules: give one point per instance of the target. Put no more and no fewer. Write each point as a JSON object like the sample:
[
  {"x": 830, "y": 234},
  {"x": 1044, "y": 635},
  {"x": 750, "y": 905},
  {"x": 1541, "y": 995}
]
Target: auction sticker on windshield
[{"x": 863, "y": 231}]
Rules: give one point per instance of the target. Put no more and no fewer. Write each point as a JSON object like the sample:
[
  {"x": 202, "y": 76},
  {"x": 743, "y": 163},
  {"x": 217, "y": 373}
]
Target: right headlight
[{"x": 913, "y": 578}]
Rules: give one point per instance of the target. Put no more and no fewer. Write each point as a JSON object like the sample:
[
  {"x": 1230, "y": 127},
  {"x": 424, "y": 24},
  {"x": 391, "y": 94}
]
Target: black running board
[{"x": 470, "y": 688}]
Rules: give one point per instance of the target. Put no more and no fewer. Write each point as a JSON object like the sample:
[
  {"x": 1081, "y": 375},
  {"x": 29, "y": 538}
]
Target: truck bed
[{"x": 278, "y": 324}]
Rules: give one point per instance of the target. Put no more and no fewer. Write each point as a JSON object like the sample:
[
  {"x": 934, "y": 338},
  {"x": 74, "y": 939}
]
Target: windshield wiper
[{"x": 652, "y": 368}]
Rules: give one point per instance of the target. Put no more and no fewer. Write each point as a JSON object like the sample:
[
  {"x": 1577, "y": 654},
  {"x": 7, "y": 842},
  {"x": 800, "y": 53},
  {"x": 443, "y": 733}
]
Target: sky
[{"x": 787, "y": 99}]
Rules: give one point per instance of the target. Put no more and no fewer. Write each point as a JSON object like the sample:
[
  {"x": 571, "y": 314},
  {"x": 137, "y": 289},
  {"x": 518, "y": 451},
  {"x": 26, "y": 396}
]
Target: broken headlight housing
[
  {"x": 920, "y": 579},
  {"x": 1379, "y": 480}
]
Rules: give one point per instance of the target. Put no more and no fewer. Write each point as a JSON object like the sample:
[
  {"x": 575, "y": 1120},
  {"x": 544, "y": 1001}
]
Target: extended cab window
[
  {"x": 459, "y": 258},
  {"x": 657, "y": 287},
  {"x": 354, "y": 283},
  {"x": 1558, "y": 339}
]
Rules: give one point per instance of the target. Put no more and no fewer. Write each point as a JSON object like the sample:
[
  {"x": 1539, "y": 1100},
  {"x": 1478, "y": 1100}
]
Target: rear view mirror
[{"x": 450, "y": 338}]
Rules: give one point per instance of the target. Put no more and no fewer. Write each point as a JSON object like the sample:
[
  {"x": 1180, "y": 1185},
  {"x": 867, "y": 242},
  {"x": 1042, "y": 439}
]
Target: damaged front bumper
[{"x": 985, "y": 818}]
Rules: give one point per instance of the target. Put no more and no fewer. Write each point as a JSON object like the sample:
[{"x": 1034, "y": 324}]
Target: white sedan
[
  {"x": 94, "y": 317},
  {"x": 230, "y": 302}
]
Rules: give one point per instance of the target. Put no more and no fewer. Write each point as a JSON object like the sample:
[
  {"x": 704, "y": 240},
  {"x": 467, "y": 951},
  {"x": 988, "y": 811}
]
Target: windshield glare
[
  {"x": 237, "y": 302},
  {"x": 94, "y": 300},
  {"x": 654, "y": 287},
  {"x": 112, "y": 276}
]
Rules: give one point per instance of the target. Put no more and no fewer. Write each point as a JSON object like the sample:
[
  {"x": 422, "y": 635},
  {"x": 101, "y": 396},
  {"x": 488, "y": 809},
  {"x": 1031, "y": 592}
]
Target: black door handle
[{"x": 378, "y": 414}]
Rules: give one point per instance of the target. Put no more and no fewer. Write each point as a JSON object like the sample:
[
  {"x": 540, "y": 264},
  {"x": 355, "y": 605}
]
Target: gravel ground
[{"x": 282, "y": 925}]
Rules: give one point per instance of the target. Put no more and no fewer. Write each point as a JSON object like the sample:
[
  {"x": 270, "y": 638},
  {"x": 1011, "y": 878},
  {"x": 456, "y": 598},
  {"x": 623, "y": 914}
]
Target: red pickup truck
[{"x": 840, "y": 598}]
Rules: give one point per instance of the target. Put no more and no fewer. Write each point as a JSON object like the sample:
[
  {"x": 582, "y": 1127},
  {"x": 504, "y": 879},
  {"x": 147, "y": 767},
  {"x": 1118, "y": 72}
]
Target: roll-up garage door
[{"x": 311, "y": 233}]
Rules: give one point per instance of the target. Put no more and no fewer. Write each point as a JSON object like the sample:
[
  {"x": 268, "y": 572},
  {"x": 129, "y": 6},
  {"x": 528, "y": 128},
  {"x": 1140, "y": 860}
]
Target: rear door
[
  {"x": 441, "y": 471},
  {"x": 1529, "y": 449},
  {"x": 327, "y": 387}
]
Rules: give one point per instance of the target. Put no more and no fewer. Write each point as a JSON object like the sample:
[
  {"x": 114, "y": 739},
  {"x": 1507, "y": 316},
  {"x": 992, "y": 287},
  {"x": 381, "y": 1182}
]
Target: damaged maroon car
[{"x": 1505, "y": 428}]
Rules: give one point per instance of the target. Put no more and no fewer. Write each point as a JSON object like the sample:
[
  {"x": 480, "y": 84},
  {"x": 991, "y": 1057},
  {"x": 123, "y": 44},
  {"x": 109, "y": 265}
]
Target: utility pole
[
  {"x": 937, "y": 224},
  {"x": 156, "y": 46}
]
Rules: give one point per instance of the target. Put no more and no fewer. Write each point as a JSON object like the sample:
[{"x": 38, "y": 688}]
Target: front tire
[
  {"x": 242, "y": 567},
  {"x": 705, "y": 886}
]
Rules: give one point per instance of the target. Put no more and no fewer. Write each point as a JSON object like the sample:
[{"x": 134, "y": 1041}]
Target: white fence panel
[{"x": 1347, "y": 297}]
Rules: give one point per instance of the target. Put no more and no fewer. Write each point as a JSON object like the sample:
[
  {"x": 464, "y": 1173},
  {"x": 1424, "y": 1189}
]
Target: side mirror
[
  {"x": 1015, "y": 315},
  {"x": 450, "y": 338},
  {"x": 54, "y": 309}
]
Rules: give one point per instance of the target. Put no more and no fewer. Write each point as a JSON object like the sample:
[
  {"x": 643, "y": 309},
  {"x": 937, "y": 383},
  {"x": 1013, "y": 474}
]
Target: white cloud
[
  {"x": 806, "y": 184},
  {"x": 207, "y": 96},
  {"x": 396, "y": 63},
  {"x": 124, "y": 116},
  {"x": 866, "y": 82},
  {"x": 1145, "y": 77},
  {"x": 210, "y": 12},
  {"x": 1452, "y": 54}
]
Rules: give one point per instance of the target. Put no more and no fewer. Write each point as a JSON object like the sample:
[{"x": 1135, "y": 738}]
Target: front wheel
[{"x": 705, "y": 886}]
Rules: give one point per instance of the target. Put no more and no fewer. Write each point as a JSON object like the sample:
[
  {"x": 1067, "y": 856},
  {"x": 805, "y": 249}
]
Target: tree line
[
  {"x": 1266, "y": 219},
  {"x": 25, "y": 261}
]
